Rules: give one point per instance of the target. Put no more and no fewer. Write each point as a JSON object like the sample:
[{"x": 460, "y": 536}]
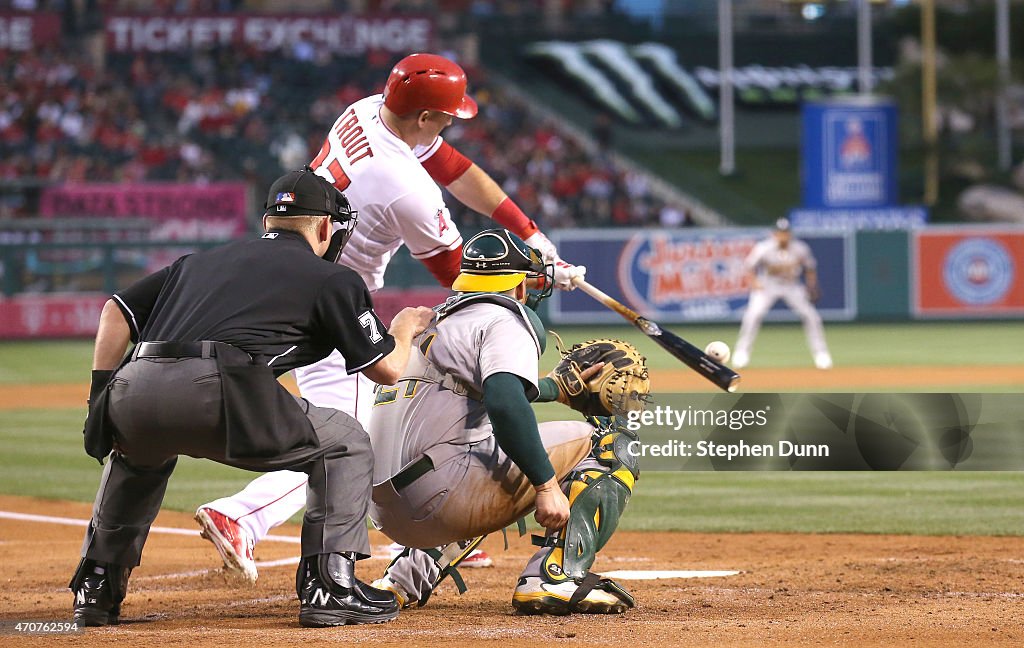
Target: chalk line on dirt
[
  {"x": 654, "y": 574},
  {"x": 260, "y": 564},
  {"x": 50, "y": 519}
]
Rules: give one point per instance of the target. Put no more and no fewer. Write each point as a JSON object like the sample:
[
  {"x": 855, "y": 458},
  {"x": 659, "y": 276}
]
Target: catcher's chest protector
[{"x": 535, "y": 326}]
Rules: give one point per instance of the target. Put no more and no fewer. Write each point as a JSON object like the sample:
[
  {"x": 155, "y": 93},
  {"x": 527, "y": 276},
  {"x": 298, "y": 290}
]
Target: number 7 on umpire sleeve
[{"x": 369, "y": 323}]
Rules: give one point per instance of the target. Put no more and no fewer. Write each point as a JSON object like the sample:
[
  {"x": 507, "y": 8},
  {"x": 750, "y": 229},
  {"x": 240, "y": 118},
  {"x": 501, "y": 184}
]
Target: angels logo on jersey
[{"x": 442, "y": 224}]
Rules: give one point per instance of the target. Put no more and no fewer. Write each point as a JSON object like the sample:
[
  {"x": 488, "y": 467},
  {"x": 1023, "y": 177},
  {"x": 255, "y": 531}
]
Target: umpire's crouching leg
[
  {"x": 340, "y": 472},
  {"x": 338, "y": 497}
]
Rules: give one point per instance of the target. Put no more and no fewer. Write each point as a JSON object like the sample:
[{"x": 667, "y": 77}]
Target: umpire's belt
[
  {"x": 204, "y": 349},
  {"x": 414, "y": 471}
]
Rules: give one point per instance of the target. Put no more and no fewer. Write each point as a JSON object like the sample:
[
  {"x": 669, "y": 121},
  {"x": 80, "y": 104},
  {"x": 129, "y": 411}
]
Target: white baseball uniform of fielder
[
  {"x": 398, "y": 202},
  {"x": 779, "y": 271},
  {"x": 473, "y": 488}
]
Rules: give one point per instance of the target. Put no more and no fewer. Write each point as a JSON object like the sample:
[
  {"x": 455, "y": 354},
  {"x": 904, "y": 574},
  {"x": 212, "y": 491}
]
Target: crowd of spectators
[{"x": 230, "y": 114}]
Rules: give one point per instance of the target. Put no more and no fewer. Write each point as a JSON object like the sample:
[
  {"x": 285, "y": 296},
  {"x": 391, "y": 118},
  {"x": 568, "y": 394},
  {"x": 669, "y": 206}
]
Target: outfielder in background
[
  {"x": 386, "y": 153},
  {"x": 458, "y": 452},
  {"x": 782, "y": 267}
]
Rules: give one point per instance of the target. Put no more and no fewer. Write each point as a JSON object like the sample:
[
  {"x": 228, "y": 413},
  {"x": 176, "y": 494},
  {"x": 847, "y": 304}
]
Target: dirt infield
[
  {"x": 60, "y": 395},
  {"x": 792, "y": 589}
]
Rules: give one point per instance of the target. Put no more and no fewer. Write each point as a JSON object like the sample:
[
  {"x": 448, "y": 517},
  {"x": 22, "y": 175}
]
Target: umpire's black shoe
[
  {"x": 99, "y": 589},
  {"x": 331, "y": 595}
]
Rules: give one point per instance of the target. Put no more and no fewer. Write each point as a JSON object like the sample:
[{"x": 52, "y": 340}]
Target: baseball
[{"x": 718, "y": 350}]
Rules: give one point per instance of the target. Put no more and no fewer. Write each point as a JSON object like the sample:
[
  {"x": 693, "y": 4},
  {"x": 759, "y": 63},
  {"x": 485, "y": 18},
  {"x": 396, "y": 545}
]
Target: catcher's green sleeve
[
  {"x": 548, "y": 391},
  {"x": 515, "y": 426}
]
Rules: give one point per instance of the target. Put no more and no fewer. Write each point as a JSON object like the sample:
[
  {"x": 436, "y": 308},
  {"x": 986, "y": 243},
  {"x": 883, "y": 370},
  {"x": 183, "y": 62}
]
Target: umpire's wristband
[{"x": 100, "y": 378}]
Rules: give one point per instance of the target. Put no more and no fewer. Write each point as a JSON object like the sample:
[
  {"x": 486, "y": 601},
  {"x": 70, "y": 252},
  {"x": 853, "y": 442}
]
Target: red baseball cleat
[
  {"x": 233, "y": 543},
  {"x": 477, "y": 559}
]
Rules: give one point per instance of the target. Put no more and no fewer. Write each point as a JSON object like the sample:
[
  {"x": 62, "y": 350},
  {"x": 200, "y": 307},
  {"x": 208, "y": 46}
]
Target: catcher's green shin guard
[{"x": 597, "y": 498}]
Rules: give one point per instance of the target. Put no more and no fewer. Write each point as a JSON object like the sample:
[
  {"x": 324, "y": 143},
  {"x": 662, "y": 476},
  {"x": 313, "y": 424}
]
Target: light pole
[
  {"x": 726, "y": 115},
  {"x": 929, "y": 123},
  {"x": 1003, "y": 136},
  {"x": 865, "y": 81}
]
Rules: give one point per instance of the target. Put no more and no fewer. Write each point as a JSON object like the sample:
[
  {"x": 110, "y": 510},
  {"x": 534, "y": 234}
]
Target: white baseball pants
[{"x": 761, "y": 301}]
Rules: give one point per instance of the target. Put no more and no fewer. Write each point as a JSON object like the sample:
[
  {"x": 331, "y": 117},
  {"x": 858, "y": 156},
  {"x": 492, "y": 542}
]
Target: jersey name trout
[{"x": 352, "y": 138}]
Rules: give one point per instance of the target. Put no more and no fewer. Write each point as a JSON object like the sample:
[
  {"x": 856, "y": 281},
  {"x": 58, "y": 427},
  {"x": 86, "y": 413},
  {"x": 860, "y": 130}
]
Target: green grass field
[
  {"x": 778, "y": 345},
  {"x": 41, "y": 453}
]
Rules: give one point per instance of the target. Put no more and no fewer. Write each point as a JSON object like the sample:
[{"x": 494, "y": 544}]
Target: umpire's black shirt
[{"x": 272, "y": 297}]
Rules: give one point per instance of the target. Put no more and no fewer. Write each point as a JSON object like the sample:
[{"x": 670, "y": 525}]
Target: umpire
[{"x": 212, "y": 333}]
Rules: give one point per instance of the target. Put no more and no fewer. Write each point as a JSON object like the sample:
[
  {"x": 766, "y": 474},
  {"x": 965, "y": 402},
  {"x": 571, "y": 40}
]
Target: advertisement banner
[
  {"x": 849, "y": 154},
  {"x": 334, "y": 33},
  {"x": 215, "y": 211},
  {"x": 968, "y": 271},
  {"x": 21, "y": 32},
  {"x": 689, "y": 275},
  {"x": 50, "y": 315},
  {"x": 878, "y": 218}
]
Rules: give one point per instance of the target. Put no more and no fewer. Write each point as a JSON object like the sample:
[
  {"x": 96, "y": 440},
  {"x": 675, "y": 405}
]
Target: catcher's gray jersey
[
  {"x": 416, "y": 418},
  {"x": 776, "y": 264}
]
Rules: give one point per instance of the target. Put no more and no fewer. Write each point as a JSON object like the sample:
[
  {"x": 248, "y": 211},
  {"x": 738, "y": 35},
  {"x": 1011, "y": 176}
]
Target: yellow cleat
[{"x": 590, "y": 595}]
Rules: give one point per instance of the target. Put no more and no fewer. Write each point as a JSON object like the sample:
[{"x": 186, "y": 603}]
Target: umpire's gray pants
[{"x": 164, "y": 407}]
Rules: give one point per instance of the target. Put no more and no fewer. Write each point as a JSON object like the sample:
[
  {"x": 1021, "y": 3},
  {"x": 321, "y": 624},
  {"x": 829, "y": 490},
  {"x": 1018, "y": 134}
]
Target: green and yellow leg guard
[{"x": 598, "y": 491}]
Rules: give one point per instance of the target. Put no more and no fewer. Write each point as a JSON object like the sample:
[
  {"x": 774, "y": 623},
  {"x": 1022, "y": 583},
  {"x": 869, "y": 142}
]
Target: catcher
[{"x": 459, "y": 454}]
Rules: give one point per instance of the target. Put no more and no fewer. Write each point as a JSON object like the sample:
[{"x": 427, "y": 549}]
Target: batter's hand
[
  {"x": 411, "y": 322},
  {"x": 564, "y": 272},
  {"x": 552, "y": 506}
]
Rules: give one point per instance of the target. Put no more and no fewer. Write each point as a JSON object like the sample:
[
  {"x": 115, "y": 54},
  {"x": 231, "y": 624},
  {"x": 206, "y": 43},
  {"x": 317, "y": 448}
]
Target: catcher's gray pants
[
  {"x": 165, "y": 407},
  {"x": 476, "y": 492}
]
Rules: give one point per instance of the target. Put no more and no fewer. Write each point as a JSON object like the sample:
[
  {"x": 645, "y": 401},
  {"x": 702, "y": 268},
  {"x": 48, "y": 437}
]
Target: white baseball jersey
[
  {"x": 773, "y": 263},
  {"x": 397, "y": 200},
  {"x": 472, "y": 344}
]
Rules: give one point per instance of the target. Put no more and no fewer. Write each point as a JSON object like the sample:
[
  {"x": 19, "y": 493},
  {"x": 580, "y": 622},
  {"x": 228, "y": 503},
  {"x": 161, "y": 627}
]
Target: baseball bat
[{"x": 723, "y": 377}]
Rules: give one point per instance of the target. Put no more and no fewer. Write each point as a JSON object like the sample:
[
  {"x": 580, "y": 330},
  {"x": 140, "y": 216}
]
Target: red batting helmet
[{"x": 428, "y": 82}]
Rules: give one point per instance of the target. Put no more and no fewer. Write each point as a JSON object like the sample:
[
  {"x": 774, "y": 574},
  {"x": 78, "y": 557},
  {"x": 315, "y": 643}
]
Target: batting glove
[{"x": 564, "y": 272}]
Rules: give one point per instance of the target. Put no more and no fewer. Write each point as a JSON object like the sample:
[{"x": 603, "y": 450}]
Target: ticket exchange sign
[{"x": 338, "y": 34}]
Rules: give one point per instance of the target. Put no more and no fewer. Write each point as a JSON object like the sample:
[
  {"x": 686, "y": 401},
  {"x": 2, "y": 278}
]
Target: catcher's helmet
[
  {"x": 428, "y": 82},
  {"x": 304, "y": 193},
  {"x": 497, "y": 260}
]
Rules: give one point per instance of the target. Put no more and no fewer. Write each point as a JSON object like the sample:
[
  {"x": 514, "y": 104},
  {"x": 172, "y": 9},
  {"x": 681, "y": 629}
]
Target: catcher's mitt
[{"x": 621, "y": 386}]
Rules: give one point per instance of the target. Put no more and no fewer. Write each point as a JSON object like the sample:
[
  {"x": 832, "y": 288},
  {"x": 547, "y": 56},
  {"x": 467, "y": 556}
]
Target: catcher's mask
[
  {"x": 304, "y": 193},
  {"x": 496, "y": 260}
]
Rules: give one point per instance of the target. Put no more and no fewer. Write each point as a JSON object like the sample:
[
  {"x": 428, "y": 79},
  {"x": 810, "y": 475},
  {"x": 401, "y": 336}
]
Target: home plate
[{"x": 629, "y": 574}]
